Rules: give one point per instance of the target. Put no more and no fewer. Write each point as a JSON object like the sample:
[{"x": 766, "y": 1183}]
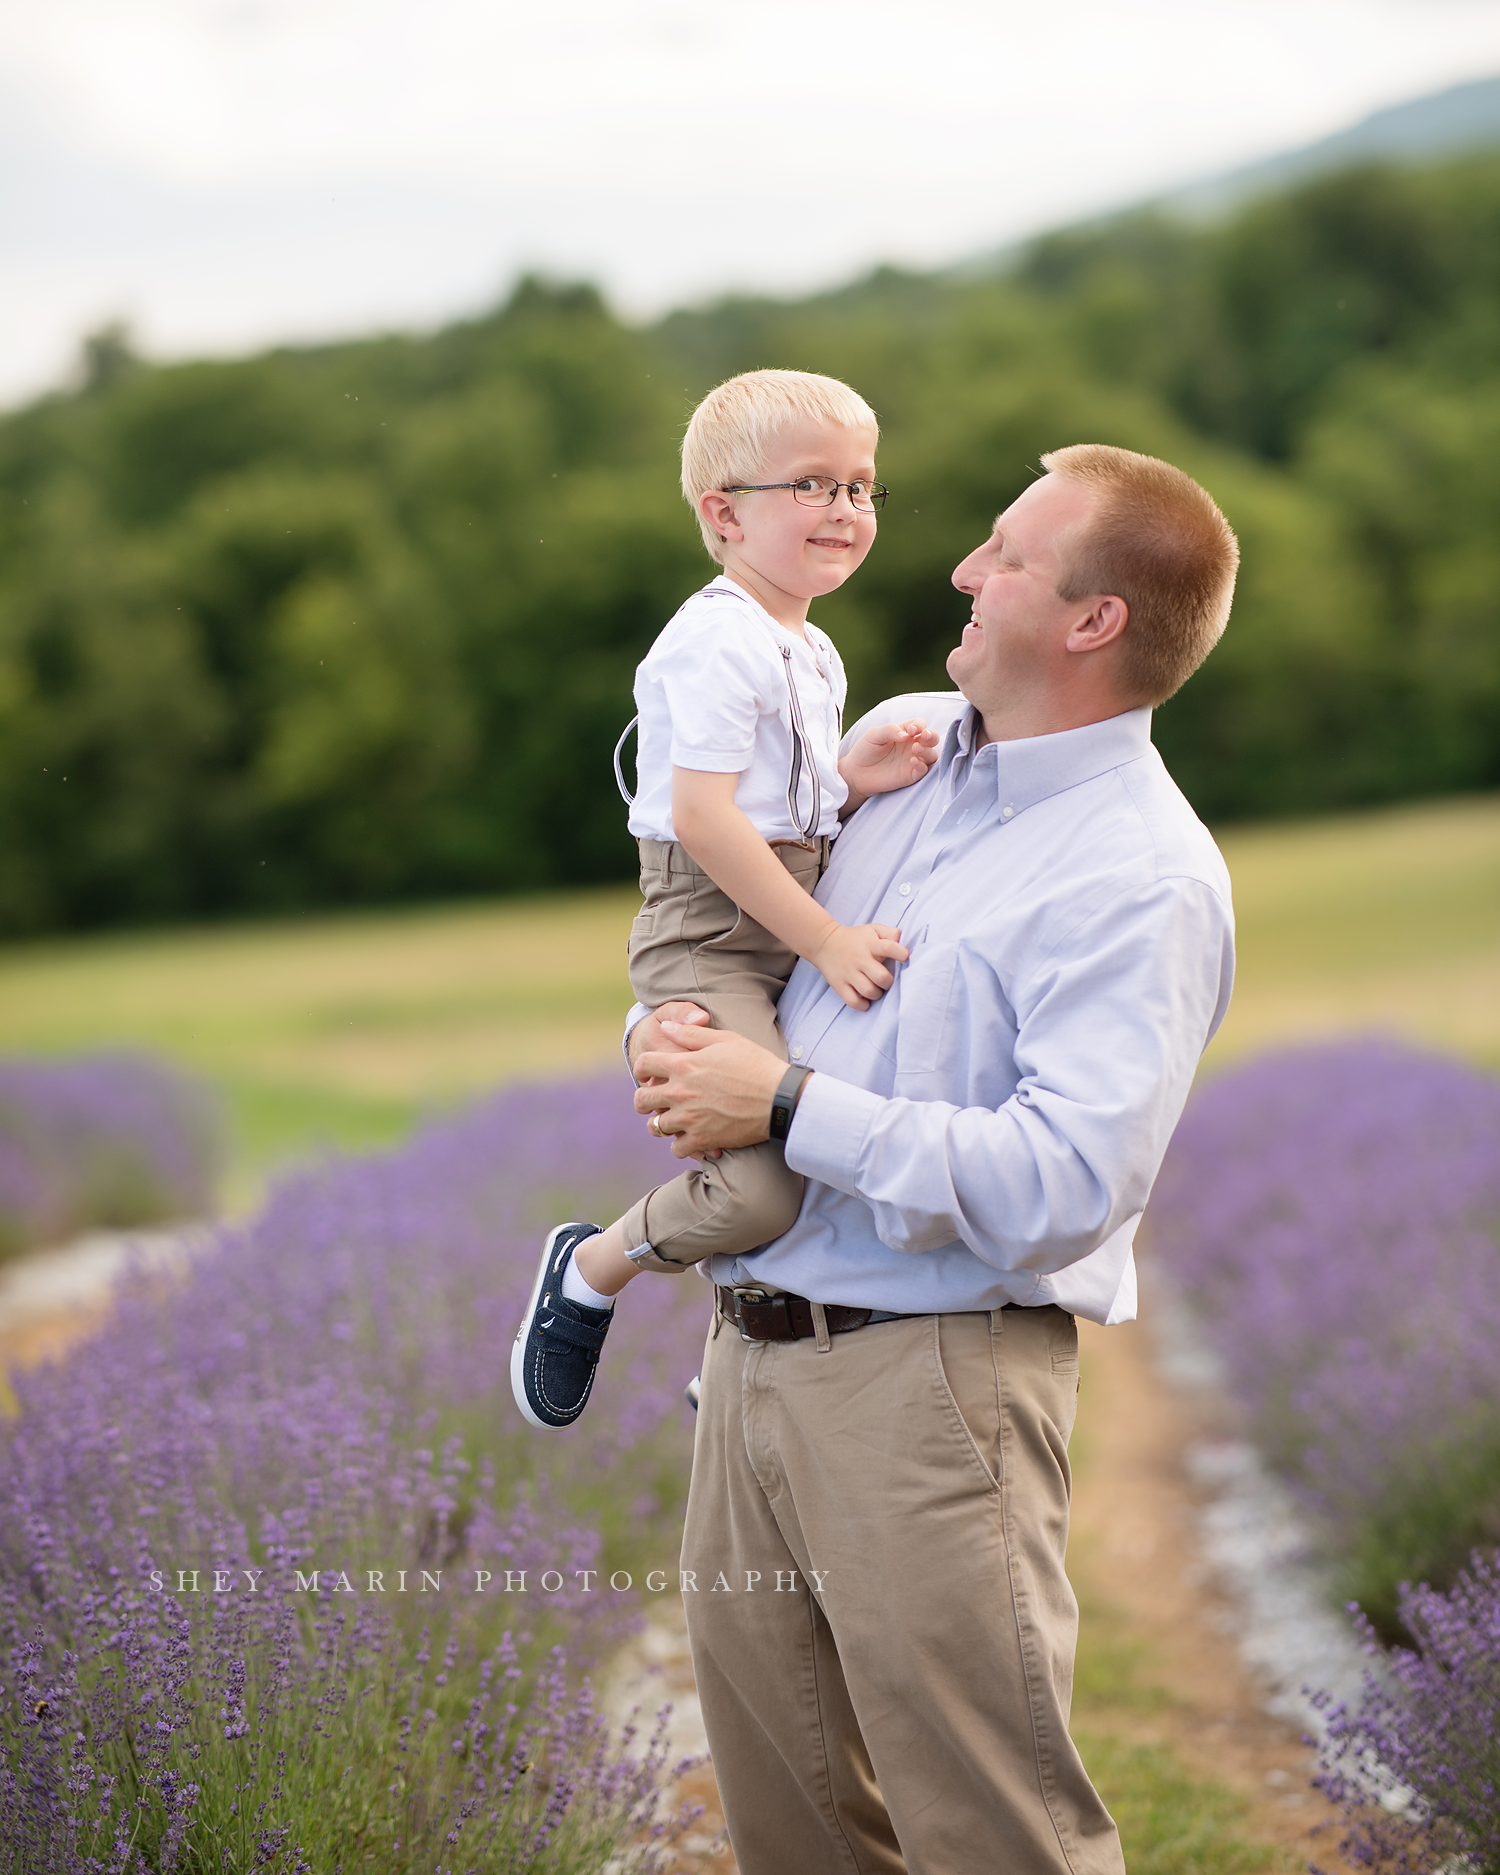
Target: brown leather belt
[{"x": 761, "y": 1315}]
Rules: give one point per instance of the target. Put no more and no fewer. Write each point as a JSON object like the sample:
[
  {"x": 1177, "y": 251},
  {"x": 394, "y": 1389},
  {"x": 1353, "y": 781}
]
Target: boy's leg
[
  {"x": 692, "y": 944},
  {"x": 729, "y": 1205}
]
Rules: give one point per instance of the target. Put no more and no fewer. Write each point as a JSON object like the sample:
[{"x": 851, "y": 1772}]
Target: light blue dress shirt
[{"x": 988, "y": 1131}]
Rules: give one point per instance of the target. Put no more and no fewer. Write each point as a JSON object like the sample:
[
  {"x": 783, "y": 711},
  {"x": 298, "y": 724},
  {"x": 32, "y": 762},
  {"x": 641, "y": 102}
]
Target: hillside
[
  {"x": 1457, "y": 121},
  {"x": 357, "y": 623}
]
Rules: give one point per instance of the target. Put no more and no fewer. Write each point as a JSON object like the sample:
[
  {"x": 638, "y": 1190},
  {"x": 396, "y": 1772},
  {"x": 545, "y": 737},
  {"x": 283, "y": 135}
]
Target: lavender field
[
  {"x": 113, "y": 1139},
  {"x": 325, "y": 1400},
  {"x": 328, "y": 1392},
  {"x": 1333, "y": 1215}
]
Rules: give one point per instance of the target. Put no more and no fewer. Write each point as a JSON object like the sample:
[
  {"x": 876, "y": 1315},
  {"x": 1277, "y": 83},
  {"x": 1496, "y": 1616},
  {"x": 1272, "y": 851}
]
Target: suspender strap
[
  {"x": 626, "y": 795},
  {"x": 801, "y": 758},
  {"x": 801, "y": 755}
]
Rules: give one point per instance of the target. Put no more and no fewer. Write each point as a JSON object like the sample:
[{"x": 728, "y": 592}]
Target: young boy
[{"x": 740, "y": 793}]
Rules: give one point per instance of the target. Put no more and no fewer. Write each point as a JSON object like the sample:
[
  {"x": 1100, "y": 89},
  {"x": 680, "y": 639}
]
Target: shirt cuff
[
  {"x": 828, "y": 1131},
  {"x": 638, "y": 1013}
]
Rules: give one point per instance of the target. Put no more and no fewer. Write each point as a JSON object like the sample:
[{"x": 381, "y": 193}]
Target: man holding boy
[{"x": 889, "y": 1387}]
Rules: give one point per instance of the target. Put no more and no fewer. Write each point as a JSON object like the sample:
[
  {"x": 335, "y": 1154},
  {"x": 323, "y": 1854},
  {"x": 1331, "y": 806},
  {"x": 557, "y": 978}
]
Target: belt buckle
[{"x": 747, "y": 1293}]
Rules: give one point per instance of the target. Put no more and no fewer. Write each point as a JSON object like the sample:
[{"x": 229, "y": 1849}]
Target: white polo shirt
[{"x": 714, "y": 693}]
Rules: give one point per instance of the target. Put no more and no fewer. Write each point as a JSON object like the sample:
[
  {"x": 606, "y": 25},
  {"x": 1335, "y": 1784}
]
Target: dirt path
[{"x": 1135, "y": 1554}]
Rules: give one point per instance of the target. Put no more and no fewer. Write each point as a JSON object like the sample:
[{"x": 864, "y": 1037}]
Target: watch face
[{"x": 784, "y": 1102}]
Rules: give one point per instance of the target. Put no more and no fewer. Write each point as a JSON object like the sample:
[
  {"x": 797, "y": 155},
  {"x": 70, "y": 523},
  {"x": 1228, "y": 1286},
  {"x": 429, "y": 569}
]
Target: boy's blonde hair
[
  {"x": 730, "y": 433},
  {"x": 1158, "y": 541}
]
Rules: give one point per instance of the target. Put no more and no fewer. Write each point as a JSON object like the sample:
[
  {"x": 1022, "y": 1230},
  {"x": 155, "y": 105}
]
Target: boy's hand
[
  {"x": 893, "y": 755},
  {"x": 850, "y": 958}
]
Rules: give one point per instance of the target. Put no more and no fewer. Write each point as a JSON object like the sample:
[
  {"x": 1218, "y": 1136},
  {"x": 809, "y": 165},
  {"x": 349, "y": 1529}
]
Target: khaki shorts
[{"x": 693, "y": 944}]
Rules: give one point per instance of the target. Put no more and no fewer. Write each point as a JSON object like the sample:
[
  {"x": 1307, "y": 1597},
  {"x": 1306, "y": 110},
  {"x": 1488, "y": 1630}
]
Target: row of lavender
[
  {"x": 109, "y": 1139},
  {"x": 284, "y": 1582},
  {"x": 1333, "y": 1214}
]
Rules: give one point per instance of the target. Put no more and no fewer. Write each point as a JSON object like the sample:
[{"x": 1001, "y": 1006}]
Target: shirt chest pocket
[{"x": 927, "y": 994}]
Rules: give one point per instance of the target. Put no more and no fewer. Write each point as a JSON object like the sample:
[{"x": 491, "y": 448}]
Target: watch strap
[{"x": 784, "y": 1102}]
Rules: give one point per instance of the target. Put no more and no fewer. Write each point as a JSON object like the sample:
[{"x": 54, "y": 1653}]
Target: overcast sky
[{"x": 223, "y": 173}]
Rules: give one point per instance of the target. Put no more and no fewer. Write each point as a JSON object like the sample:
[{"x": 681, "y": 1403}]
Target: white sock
[{"x": 577, "y": 1290}]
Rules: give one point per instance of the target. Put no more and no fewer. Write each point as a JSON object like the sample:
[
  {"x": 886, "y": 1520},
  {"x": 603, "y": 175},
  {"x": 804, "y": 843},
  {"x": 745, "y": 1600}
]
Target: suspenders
[
  {"x": 625, "y": 793},
  {"x": 800, "y": 759},
  {"x": 801, "y": 756}
]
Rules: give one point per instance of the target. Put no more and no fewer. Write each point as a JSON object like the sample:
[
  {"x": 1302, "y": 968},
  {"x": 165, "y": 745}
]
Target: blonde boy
[{"x": 740, "y": 795}]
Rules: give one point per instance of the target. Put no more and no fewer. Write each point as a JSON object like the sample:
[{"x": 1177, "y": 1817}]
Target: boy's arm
[{"x": 724, "y": 843}]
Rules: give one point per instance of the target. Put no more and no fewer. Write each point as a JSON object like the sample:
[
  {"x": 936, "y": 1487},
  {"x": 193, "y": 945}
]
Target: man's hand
[
  {"x": 852, "y": 959},
  {"x": 649, "y": 1034},
  {"x": 893, "y": 755},
  {"x": 711, "y": 1088}
]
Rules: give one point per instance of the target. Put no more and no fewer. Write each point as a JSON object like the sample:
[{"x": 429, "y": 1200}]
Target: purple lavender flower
[
  {"x": 109, "y": 1139},
  {"x": 1333, "y": 1214},
  {"x": 1415, "y": 1766},
  {"x": 323, "y": 1396}
]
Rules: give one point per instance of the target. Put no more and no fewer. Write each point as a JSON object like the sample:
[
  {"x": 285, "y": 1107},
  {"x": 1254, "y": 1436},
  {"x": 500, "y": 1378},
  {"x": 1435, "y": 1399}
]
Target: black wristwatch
[{"x": 784, "y": 1102}]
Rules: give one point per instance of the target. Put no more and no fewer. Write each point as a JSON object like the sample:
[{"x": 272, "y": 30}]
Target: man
[{"x": 889, "y": 1387}]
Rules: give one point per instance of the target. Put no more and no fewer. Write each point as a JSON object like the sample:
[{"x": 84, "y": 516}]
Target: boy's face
[{"x": 802, "y": 552}]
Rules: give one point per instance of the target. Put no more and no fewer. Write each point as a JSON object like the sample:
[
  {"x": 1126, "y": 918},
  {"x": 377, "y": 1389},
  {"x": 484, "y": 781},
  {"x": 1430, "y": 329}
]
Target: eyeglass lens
[{"x": 821, "y": 491}]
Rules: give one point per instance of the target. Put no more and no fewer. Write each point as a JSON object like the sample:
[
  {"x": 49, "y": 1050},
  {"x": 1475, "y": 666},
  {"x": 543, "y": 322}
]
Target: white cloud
[{"x": 235, "y": 170}]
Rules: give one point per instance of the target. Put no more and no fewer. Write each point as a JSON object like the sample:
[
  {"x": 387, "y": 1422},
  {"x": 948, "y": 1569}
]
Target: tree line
[{"x": 358, "y": 622}]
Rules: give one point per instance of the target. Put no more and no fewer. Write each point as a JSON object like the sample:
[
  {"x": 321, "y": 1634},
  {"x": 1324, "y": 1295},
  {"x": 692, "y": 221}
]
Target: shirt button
[
  {"x": 796, "y": 1054},
  {"x": 905, "y": 888},
  {"x": 1006, "y": 812}
]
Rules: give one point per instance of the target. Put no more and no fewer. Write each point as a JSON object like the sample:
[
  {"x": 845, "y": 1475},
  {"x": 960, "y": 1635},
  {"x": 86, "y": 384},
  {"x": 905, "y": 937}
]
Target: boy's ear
[{"x": 717, "y": 509}]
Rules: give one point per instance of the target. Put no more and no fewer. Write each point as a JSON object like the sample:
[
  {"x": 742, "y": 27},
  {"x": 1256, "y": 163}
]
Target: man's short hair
[
  {"x": 729, "y": 435},
  {"x": 1159, "y": 542}
]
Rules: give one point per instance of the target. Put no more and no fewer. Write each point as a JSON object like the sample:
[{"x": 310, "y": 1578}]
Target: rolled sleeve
[{"x": 638, "y": 1013}]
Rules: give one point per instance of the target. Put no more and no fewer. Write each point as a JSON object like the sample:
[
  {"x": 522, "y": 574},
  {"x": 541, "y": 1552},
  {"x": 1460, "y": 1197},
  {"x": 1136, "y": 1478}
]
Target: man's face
[
  {"x": 801, "y": 551},
  {"x": 1018, "y": 624}
]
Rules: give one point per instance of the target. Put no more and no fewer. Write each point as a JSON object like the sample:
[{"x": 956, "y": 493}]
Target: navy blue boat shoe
[{"x": 556, "y": 1353}]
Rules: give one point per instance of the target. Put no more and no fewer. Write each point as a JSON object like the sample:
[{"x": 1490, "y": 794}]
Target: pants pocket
[
  {"x": 1062, "y": 1343},
  {"x": 965, "y": 1355}
]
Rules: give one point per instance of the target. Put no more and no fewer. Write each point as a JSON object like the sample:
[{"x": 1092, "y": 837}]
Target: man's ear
[
  {"x": 1104, "y": 625},
  {"x": 717, "y": 509}
]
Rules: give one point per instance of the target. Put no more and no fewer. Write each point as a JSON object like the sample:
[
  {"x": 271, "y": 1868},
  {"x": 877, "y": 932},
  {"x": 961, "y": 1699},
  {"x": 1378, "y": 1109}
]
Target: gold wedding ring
[{"x": 653, "y": 1125}]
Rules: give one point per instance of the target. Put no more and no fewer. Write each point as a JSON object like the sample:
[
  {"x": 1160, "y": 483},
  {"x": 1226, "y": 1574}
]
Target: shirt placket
[{"x": 971, "y": 786}]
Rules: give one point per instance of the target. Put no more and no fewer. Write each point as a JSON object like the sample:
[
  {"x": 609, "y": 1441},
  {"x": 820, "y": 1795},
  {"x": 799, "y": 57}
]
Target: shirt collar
[
  {"x": 1034, "y": 768},
  {"x": 721, "y": 582}
]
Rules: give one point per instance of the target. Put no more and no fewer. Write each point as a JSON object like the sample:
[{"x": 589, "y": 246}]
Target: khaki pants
[
  {"x": 912, "y": 1712},
  {"x": 692, "y": 944}
]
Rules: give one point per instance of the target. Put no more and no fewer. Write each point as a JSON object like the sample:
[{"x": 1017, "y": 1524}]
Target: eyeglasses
[{"x": 822, "y": 491}]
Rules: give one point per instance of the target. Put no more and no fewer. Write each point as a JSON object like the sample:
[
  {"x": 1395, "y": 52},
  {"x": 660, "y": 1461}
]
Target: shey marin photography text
[{"x": 475, "y": 1581}]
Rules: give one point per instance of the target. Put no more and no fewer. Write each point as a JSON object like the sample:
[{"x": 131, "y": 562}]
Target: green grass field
[
  {"x": 339, "y": 1031},
  {"x": 343, "y": 1030},
  {"x": 1387, "y": 920}
]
